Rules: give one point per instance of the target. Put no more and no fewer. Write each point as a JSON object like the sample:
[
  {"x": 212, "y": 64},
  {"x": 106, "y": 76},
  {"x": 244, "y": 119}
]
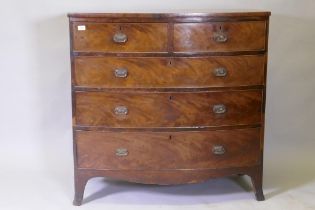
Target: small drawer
[
  {"x": 168, "y": 150},
  {"x": 145, "y": 72},
  {"x": 168, "y": 109},
  {"x": 220, "y": 36},
  {"x": 120, "y": 37}
]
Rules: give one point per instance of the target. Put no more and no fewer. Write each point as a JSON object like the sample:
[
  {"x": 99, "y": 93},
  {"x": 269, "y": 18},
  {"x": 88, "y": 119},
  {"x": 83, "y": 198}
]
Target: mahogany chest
[{"x": 168, "y": 98}]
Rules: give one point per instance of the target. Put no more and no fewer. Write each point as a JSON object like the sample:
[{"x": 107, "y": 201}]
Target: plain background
[{"x": 35, "y": 112}]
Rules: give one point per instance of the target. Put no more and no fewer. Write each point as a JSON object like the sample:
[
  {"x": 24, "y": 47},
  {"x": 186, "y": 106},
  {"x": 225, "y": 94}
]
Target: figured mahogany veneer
[
  {"x": 168, "y": 98},
  {"x": 99, "y": 37},
  {"x": 171, "y": 109},
  {"x": 168, "y": 150},
  {"x": 184, "y": 72},
  {"x": 241, "y": 36}
]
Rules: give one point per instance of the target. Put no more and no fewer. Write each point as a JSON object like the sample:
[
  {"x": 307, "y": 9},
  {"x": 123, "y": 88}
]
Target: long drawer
[
  {"x": 168, "y": 109},
  {"x": 220, "y": 36},
  {"x": 168, "y": 150},
  {"x": 151, "y": 72}
]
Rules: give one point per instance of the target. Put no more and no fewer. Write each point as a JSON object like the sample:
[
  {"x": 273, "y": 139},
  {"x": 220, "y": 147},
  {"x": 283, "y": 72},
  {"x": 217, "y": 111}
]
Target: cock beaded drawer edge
[{"x": 168, "y": 98}]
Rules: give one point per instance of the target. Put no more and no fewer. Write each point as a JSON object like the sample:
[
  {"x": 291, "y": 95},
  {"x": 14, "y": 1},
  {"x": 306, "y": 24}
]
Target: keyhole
[
  {"x": 120, "y": 28},
  {"x": 171, "y": 98},
  {"x": 170, "y": 137},
  {"x": 170, "y": 62}
]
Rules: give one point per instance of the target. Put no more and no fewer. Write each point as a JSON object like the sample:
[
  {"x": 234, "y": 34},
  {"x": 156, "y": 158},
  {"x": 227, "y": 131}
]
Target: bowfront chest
[{"x": 168, "y": 98}]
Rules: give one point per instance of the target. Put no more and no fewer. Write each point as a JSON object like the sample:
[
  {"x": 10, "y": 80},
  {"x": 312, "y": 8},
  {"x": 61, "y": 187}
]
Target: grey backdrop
[{"x": 35, "y": 111}]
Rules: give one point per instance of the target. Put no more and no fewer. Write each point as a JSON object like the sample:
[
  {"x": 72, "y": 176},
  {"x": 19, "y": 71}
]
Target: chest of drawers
[{"x": 168, "y": 98}]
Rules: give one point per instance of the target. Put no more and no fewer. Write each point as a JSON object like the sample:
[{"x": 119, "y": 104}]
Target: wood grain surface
[
  {"x": 145, "y": 37},
  {"x": 167, "y": 150},
  {"x": 242, "y": 36},
  {"x": 157, "y": 72},
  {"x": 168, "y": 109}
]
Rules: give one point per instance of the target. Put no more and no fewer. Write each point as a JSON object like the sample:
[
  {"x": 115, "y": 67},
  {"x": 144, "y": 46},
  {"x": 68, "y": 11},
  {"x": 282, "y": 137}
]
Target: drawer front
[
  {"x": 220, "y": 36},
  {"x": 144, "y": 72},
  {"x": 168, "y": 150},
  {"x": 127, "y": 109},
  {"x": 120, "y": 37}
]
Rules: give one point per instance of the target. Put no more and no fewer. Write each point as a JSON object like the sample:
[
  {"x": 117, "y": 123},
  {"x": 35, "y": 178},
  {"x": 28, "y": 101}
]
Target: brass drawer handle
[
  {"x": 121, "y": 152},
  {"x": 220, "y": 72},
  {"x": 218, "y": 150},
  {"x": 220, "y": 37},
  {"x": 120, "y": 38},
  {"x": 219, "y": 109},
  {"x": 121, "y": 73},
  {"x": 121, "y": 110}
]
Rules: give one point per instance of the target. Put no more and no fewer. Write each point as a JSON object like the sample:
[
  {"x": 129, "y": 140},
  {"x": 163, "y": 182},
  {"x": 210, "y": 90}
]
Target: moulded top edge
[{"x": 173, "y": 15}]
